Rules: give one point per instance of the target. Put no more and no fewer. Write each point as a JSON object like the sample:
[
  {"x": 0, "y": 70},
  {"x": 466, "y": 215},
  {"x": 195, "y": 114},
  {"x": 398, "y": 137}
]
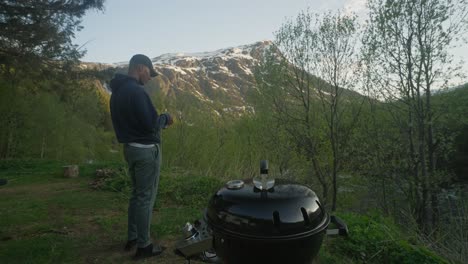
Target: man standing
[{"x": 138, "y": 126}]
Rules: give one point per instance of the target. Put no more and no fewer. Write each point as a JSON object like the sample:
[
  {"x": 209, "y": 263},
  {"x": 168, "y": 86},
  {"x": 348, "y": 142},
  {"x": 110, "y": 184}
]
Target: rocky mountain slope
[{"x": 218, "y": 80}]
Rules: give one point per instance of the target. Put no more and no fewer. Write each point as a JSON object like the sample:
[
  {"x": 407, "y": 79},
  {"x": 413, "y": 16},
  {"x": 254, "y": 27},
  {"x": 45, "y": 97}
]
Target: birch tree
[
  {"x": 310, "y": 89},
  {"x": 409, "y": 42}
]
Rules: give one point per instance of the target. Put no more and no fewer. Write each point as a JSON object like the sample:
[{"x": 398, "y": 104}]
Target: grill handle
[{"x": 341, "y": 227}]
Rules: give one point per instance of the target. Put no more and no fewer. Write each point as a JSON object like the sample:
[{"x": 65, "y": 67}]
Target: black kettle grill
[{"x": 261, "y": 220}]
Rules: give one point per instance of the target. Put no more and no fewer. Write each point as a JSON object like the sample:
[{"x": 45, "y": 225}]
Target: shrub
[{"x": 376, "y": 239}]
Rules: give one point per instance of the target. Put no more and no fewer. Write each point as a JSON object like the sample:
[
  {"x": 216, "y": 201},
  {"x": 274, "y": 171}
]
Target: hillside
[{"x": 217, "y": 80}]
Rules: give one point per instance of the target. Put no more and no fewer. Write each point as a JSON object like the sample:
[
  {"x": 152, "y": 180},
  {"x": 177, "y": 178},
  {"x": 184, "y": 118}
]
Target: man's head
[{"x": 141, "y": 68}]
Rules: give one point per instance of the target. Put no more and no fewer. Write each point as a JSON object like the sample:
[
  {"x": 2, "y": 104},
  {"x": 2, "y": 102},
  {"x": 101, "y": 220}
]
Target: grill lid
[{"x": 286, "y": 210}]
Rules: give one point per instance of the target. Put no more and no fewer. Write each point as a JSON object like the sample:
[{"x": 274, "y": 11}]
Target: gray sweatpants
[{"x": 144, "y": 169}]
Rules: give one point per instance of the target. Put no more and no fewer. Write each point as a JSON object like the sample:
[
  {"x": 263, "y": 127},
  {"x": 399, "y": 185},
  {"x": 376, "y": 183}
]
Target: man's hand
[
  {"x": 170, "y": 120},
  {"x": 166, "y": 121}
]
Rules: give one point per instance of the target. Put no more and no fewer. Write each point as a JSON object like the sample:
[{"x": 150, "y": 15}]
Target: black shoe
[
  {"x": 130, "y": 244},
  {"x": 148, "y": 251}
]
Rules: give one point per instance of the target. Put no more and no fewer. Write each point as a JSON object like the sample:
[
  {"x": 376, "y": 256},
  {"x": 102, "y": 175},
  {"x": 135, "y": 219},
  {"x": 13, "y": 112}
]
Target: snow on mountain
[
  {"x": 202, "y": 61},
  {"x": 218, "y": 79}
]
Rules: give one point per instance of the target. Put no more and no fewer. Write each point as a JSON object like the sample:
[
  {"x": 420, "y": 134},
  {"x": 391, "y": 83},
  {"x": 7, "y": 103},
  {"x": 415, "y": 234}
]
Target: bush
[{"x": 376, "y": 239}]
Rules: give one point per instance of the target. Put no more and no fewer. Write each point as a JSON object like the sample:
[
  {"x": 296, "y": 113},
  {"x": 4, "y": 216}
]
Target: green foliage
[
  {"x": 375, "y": 239},
  {"x": 207, "y": 145},
  {"x": 45, "y": 112},
  {"x": 452, "y": 127},
  {"x": 305, "y": 83},
  {"x": 46, "y": 31},
  {"x": 45, "y": 125}
]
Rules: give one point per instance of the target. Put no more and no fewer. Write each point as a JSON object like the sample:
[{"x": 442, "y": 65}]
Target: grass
[{"x": 46, "y": 218}]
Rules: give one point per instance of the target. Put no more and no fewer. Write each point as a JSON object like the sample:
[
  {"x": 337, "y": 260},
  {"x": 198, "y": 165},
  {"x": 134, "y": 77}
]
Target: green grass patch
[
  {"x": 30, "y": 171},
  {"x": 21, "y": 212},
  {"x": 43, "y": 248},
  {"x": 46, "y": 218},
  {"x": 29, "y": 166},
  {"x": 171, "y": 220},
  {"x": 186, "y": 190},
  {"x": 181, "y": 197},
  {"x": 375, "y": 239}
]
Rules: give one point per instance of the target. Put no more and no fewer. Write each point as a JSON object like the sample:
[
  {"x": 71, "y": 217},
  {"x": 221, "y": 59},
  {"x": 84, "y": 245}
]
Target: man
[{"x": 138, "y": 126}]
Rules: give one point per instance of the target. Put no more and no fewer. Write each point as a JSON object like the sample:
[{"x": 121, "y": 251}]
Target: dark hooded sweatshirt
[{"x": 133, "y": 115}]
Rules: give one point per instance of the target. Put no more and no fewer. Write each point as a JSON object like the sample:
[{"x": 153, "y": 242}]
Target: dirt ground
[{"x": 113, "y": 253}]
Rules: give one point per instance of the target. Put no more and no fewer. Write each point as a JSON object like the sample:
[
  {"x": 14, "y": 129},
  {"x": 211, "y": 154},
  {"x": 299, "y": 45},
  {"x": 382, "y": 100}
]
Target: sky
[{"x": 156, "y": 27}]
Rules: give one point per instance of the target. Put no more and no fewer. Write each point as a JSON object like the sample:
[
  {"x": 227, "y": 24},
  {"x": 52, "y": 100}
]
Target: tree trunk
[
  {"x": 10, "y": 144},
  {"x": 431, "y": 155},
  {"x": 71, "y": 171},
  {"x": 43, "y": 145}
]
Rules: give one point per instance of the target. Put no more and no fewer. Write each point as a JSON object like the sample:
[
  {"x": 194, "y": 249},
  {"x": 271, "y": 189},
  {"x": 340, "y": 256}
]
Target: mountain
[{"x": 218, "y": 80}]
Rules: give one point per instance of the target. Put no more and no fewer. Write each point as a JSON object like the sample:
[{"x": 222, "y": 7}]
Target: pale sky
[{"x": 156, "y": 27}]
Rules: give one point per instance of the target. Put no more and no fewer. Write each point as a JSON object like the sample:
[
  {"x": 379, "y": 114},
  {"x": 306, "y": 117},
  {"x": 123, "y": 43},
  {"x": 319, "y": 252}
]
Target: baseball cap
[{"x": 144, "y": 60}]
